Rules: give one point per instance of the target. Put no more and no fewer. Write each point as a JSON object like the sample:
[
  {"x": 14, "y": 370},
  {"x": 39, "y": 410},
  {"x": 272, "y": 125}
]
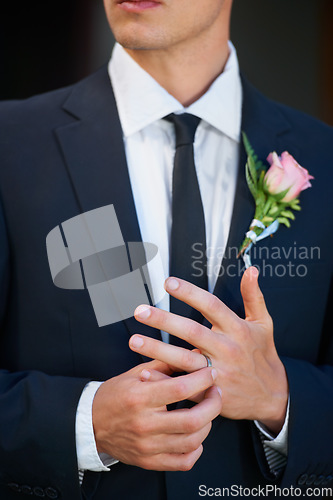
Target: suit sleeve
[
  {"x": 310, "y": 432},
  {"x": 310, "y": 450},
  {"x": 37, "y": 422}
]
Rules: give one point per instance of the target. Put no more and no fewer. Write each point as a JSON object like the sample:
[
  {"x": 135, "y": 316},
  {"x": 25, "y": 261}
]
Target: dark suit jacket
[{"x": 61, "y": 154}]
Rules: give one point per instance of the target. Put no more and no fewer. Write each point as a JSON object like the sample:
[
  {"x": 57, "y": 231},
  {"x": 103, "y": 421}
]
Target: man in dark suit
[{"x": 69, "y": 152}]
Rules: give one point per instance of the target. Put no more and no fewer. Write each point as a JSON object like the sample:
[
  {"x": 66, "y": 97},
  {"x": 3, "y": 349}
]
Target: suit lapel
[
  {"x": 92, "y": 146},
  {"x": 94, "y": 153},
  {"x": 266, "y": 129}
]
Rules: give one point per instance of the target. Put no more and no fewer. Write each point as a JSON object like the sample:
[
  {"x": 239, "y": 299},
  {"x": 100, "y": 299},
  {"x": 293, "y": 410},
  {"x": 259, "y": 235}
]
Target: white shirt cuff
[
  {"x": 87, "y": 455},
  {"x": 280, "y": 442}
]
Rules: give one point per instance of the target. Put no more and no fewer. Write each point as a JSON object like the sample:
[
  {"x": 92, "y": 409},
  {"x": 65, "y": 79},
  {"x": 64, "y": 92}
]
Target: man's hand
[
  {"x": 132, "y": 424},
  {"x": 251, "y": 376}
]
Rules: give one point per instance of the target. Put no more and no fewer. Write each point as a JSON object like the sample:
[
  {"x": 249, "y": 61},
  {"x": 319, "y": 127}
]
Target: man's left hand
[{"x": 251, "y": 375}]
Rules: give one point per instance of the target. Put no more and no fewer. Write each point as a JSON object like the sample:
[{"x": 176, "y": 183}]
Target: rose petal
[{"x": 291, "y": 176}]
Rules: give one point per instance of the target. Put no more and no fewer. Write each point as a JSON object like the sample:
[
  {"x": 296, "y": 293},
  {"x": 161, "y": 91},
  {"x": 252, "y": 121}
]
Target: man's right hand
[{"x": 132, "y": 424}]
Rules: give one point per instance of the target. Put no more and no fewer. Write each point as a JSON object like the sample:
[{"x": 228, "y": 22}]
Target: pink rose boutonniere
[
  {"x": 275, "y": 192},
  {"x": 286, "y": 174}
]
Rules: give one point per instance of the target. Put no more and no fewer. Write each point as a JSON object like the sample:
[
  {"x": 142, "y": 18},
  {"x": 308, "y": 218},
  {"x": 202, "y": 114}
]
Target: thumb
[{"x": 254, "y": 302}]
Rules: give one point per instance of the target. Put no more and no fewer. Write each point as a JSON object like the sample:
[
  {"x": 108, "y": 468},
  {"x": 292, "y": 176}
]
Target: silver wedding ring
[{"x": 209, "y": 361}]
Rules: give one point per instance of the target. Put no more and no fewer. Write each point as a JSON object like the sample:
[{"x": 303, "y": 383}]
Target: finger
[
  {"x": 254, "y": 302},
  {"x": 152, "y": 376},
  {"x": 159, "y": 366},
  {"x": 213, "y": 309},
  {"x": 177, "y": 357},
  {"x": 172, "y": 390},
  {"x": 155, "y": 376},
  {"x": 171, "y": 461},
  {"x": 183, "y": 328},
  {"x": 187, "y": 421},
  {"x": 174, "y": 443}
]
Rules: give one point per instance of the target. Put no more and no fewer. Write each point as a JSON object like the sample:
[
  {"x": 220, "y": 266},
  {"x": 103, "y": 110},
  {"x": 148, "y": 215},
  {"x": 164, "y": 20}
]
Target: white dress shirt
[{"x": 149, "y": 143}]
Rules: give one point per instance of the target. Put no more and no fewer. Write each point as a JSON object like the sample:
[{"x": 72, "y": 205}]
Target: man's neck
[{"x": 185, "y": 74}]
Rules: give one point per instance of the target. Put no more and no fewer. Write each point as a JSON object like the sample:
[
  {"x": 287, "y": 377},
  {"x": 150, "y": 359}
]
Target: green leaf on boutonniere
[
  {"x": 284, "y": 220},
  {"x": 251, "y": 153},
  {"x": 251, "y": 182},
  {"x": 271, "y": 205},
  {"x": 288, "y": 214},
  {"x": 279, "y": 197}
]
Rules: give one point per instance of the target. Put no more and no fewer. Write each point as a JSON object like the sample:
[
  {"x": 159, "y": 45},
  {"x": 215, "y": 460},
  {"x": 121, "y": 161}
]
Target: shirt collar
[{"x": 142, "y": 101}]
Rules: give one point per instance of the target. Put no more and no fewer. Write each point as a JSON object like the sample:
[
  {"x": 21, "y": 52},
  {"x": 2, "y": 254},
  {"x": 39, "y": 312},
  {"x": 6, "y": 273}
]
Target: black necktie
[{"x": 188, "y": 235}]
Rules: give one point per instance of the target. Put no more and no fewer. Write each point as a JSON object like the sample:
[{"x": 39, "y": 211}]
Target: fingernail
[
  {"x": 214, "y": 373},
  {"x": 219, "y": 391},
  {"x": 254, "y": 272},
  {"x": 136, "y": 342},
  {"x": 145, "y": 375},
  {"x": 142, "y": 312},
  {"x": 172, "y": 284}
]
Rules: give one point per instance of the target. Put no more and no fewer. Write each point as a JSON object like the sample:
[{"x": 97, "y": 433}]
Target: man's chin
[
  {"x": 139, "y": 38},
  {"x": 132, "y": 44},
  {"x": 136, "y": 44}
]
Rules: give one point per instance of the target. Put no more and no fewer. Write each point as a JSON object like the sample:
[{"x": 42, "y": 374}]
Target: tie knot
[{"x": 185, "y": 127}]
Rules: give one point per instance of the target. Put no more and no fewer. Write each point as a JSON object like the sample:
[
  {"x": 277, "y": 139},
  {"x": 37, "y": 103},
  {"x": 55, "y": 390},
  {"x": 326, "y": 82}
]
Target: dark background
[{"x": 285, "y": 47}]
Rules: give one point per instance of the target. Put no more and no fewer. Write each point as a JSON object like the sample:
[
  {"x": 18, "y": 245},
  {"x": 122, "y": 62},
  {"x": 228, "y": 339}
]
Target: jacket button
[
  {"x": 319, "y": 480},
  {"x": 51, "y": 493},
  {"x": 327, "y": 479},
  {"x": 311, "y": 479},
  {"x": 26, "y": 489},
  {"x": 39, "y": 492},
  {"x": 15, "y": 487},
  {"x": 302, "y": 479}
]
